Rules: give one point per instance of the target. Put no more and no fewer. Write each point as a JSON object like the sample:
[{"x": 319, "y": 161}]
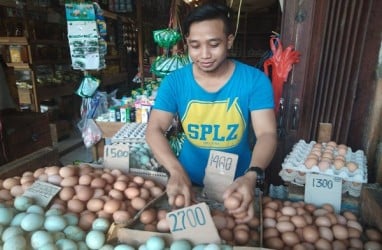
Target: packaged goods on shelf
[{"x": 329, "y": 159}]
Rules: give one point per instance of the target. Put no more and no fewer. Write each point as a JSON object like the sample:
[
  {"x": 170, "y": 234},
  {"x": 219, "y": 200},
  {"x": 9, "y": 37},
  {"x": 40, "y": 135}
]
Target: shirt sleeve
[
  {"x": 262, "y": 90},
  {"x": 166, "y": 96}
]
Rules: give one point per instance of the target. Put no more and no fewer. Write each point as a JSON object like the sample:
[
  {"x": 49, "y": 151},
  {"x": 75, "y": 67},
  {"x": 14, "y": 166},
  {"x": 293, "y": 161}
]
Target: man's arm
[{"x": 179, "y": 182}]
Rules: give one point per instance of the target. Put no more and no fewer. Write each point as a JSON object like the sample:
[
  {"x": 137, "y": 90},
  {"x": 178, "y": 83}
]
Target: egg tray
[
  {"x": 130, "y": 133},
  {"x": 294, "y": 169}
]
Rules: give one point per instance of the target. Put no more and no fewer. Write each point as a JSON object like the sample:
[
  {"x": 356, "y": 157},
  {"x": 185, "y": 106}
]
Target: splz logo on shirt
[{"x": 216, "y": 125}]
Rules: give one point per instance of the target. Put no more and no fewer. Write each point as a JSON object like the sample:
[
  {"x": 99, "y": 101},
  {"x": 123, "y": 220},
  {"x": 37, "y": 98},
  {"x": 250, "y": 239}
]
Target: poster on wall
[{"x": 83, "y": 37}]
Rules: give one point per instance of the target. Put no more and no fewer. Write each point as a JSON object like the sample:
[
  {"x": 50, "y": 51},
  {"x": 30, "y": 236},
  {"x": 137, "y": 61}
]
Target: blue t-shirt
[{"x": 215, "y": 120}]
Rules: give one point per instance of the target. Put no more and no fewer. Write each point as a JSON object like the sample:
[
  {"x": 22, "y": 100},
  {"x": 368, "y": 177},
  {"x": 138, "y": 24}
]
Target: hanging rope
[{"x": 238, "y": 15}]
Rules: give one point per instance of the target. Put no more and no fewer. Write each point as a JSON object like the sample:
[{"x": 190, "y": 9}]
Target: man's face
[{"x": 208, "y": 44}]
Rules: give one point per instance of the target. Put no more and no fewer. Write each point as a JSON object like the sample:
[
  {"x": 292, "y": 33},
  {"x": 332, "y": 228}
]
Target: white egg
[
  {"x": 82, "y": 245},
  {"x": 22, "y": 203},
  {"x": 66, "y": 244},
  {"x": 95, "y": 239},
  {"x": 212, "y": 247},
  {"x": 17, "y": 242},
  {"x": 123, "y": 247},
  {"x": 41, "y": 238},
  {"x": 71, "y": 218},
  {"x": 54, "y": 223},
  {"x": 155, "y": 243},
  {"x": 101, "y": 224},
  {"x": 49, "y": 246},
  {"x": 35, "y": 209},
  {"x": 32, "y": 222},
  {"x": 74, "y": 233},
  {"x": 16, "y": 221},
  {"x": 180, "y": 245},
  {"x": 6, "y": 215},
  {"x": 108, "y": 247},
  {"x": 11, "y": 232}
]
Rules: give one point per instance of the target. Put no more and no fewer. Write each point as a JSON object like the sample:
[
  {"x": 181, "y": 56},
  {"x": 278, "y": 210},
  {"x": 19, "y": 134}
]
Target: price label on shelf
[
  {"x": 323, "y": 189},
  {"x": 117, "y": 156},
  {"x": 193, "y": 223}
]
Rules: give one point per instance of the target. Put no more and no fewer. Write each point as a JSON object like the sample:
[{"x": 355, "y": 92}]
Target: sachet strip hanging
[{"x": 281, "y": 63}]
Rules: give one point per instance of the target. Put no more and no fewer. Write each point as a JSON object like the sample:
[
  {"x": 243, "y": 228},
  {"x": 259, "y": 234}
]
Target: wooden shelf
[
  {"x": 19, "y": 65},
  {"x": 13, "y": 40}
]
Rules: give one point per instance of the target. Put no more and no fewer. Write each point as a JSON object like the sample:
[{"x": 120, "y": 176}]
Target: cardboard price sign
[
  {"x": 219, "y": 174},
  {"x": 117, "y": 156},
  {"x": 42, "y": 192},
  {"x": 193, "y": 223},
  {"x": 321, "y": 189}
]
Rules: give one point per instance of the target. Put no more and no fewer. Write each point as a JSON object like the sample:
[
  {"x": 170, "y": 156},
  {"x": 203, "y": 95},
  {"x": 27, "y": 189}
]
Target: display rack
[{"x": 33, "y": 43}]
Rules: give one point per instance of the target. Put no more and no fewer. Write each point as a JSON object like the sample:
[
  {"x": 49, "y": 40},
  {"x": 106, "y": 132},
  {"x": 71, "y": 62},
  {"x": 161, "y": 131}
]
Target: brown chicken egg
[
  {"x": 111, "y": 206},
  {"x": 232, "y": 202},
  {"x": 138, "y": 203},
  {"x": 148, "y": 216},
  {"x": 121, "y": 216},
  {"x": 76, "y": 205},
  {"x": 67, "y": 171},
  {"x": 95, "y": 204}
]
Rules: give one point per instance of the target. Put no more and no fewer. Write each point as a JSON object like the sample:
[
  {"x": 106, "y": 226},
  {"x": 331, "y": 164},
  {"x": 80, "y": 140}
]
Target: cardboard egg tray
[{"x": 294, "y": 169}]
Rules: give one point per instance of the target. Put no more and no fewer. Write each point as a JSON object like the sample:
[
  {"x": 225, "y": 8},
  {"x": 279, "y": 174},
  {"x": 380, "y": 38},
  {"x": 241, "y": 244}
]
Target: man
[{"x": 216, "y": 99}]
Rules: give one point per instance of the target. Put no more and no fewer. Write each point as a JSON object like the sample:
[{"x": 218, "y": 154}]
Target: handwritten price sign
[
  {"x": 321, "y": 189},
  {"x": 116, "y": 156},
  {"x": 193, "y": 223}
]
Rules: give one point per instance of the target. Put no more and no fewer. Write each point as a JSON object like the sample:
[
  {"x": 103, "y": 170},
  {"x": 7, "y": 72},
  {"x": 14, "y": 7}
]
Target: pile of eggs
[
  {"x": 25, "y": 225},
  {"x": 297, "y": 225},
  {"x": 325, "y": 155},
  {"x": 230, "y": 231},
  {"x": 158, "y": 243},
  {"x": 89, "y": 192}
]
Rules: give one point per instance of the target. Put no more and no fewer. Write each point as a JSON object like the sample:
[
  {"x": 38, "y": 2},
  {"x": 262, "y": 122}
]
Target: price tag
[
  {"x": 42, "y": 192},
  {"x": 116, "y": 156},
  {"x": 219, "y": 174},
  {"x": 321, "y": 189},
  {"x": 193, "y": 223},
  {"x": 222, "y": 161}
]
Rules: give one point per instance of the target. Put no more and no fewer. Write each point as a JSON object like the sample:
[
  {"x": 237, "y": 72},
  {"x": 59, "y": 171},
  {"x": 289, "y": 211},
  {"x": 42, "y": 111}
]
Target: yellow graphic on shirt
[{"x": 217, "y": 125}]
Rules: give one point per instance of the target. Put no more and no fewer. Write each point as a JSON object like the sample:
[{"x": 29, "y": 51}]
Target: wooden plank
[
  {"x": 47, "y": 156},
  {"x": 371, "y": 205}
]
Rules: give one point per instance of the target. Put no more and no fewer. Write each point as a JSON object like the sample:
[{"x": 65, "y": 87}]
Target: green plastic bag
[
  {"x": 166, "y": 38},
  {"x": 88, "y": 86}
]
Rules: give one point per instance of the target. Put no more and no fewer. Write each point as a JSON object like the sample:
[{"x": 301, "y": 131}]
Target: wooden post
[{"x": 140, "y": 41}]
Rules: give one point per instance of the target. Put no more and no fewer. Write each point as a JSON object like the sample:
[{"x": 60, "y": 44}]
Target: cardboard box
[
  {"x": 109, "y": 129},
  {"x": 59, "y": 130},
  {"x": 133, "y": 233}
]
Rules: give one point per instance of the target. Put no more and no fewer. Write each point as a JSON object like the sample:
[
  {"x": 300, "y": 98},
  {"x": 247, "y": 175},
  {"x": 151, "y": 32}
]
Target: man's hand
[
  {"x": 179, "y": 184},
  {"x": 245, "y": 187}
]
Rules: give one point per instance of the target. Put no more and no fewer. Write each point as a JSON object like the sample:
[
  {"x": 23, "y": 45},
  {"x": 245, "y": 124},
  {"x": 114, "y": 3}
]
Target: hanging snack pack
[{"x": 86, "y": 51}]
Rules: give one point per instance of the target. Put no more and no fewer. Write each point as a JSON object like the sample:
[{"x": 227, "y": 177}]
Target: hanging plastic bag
[
  {"x": 91, "y": 134},
  {"x": 88, "y": 86},
  {"x": 166, "y": 37}
]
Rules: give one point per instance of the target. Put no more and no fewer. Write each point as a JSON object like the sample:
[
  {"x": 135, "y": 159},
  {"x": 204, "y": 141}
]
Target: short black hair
[{"x": 210, "y": 11}]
